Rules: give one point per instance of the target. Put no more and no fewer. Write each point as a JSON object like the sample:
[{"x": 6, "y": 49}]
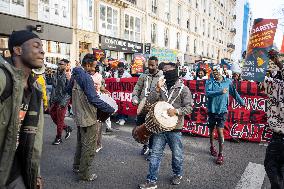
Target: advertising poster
[
  {"x": 98, "y": 53},
  {"x": 260, "y": 42},
  {"x": 137, "y": 66}
]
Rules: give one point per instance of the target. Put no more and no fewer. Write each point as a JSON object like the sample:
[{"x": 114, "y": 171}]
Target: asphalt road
[{"x": 119, "y": 164}]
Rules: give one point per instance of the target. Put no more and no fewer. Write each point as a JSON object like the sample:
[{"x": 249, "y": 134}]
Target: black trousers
[{"x": 274, "y": 161}]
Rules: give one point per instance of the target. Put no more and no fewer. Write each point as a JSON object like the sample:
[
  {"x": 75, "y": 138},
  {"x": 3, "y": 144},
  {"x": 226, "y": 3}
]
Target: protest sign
[{"x": 260, "y": 42}]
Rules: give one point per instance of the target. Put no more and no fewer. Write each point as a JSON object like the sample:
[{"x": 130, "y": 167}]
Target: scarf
[{"x": 171, "y": 77}]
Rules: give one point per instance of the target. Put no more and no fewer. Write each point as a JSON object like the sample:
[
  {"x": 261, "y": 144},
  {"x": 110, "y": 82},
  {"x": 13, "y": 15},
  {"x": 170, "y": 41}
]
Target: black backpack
[{"x": 8, "y": 90}]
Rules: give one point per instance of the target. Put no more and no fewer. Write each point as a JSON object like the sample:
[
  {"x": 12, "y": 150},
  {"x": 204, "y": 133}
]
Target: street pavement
[{"x": 119, "y": 164}]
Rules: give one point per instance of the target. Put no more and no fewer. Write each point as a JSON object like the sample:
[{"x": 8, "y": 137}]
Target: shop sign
[
  {"x": 120, "y": 45},
  {"x": 164, "y": 55},
  {"x": 147, "y": 48}
]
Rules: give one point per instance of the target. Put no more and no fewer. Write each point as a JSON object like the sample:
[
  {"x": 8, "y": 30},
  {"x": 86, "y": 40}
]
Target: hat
[
  {"x": 63, "y": 61},
  {"x": 39, "y": 71},
  {"x": 120, "y": 65},
  {"x": 17, "y": 38}
]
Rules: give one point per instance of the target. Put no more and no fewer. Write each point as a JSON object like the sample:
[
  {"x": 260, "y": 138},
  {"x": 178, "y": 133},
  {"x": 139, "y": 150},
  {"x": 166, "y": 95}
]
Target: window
[
  {"x": 108, "y": 21},
  {"x": 154, "y": 6},
  {"x": 167, "y": 10},
  {"x": 204, "y": 5},
  {"x": 209, "y": 30},
  {"x": 202, "y": 52},
  {"x": 85, "y": 18},
  {"x": 203, "y": 26},
  {"x": 178, "y": 40},
  {"x": 179, "y": 14},
  {"x": 187, "y": 44},
  {"x": 188, "y": 24},
  {"x": 154, "y": 33},
  {"x": 166, "y": 37},
  {"x": 194, "y": 46},
  {"x": 209, "y": 11},
  {"x": 196, "y": 23},
  {"x": 132, "y": 28}
]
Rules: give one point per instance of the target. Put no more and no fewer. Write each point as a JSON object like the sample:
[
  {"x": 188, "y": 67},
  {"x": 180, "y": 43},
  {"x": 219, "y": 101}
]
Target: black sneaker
[
  {"x": 68, "y": 131},
  {"x": 148, "y": 156},
  {"x": 57, "y": 141},
  {"x": 176, "y": 180},
  {"x": 76, "y": 170},
  {"x": 109, "y": 130},
  {"x": 148, "y": 185},
  {"x": 145, "y": 150}
]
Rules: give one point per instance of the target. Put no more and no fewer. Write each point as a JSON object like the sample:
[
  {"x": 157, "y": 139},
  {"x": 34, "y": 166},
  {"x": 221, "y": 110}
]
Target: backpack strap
[{"x": 8, "y": 90}]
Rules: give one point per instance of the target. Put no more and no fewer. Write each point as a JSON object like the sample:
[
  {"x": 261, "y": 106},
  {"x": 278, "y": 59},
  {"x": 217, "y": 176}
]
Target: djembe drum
[
  {"x": 157, "y": 121},
  {"x": 143, "y": 107}
]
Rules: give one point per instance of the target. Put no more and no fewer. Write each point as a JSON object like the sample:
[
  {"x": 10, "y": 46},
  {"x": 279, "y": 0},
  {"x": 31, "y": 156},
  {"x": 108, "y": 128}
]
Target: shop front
[
  {"x": 56, "y": 39},
  {"x": 119, "y": 48}
]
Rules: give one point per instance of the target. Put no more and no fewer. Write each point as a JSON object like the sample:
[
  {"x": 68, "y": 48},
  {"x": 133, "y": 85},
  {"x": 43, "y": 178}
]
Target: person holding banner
[
  {"x": 146, "y": 83},
  {"x": 173, "y": 91},
  {"x": 274, "y": 158},
  {"x": 218, "y": 89}
]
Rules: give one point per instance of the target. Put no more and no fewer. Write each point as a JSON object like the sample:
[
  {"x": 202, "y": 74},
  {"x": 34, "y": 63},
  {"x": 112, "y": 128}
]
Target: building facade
[
  {"x": 173, "y": 30},
  {"x": 52, "y": 20},
  {"x": 191, "y": 29}
]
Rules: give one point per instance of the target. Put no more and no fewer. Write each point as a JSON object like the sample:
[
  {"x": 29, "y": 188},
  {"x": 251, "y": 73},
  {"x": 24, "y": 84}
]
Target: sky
[{"x": 268, "y": 9}]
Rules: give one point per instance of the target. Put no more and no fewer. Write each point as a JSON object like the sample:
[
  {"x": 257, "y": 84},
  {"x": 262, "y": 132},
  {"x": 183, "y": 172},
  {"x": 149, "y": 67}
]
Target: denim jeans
[
  {"x": 159, "y": 143},
  {"x": 274, "y": 161}
]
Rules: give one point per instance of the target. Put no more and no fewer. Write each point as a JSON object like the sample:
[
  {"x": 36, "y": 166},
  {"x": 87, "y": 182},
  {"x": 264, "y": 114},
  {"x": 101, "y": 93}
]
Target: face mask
[{"x": 171, "y": 76}]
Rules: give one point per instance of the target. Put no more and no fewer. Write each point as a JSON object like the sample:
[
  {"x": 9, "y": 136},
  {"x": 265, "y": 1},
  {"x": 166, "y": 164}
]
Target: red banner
[
  {"x": 246, "y": 123},
  {"x": 121, "y": 92}
]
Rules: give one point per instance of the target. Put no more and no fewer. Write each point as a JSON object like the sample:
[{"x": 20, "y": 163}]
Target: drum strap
[
  {"x": 169, "y": 97},
  {"x": 147, "y": 86}
]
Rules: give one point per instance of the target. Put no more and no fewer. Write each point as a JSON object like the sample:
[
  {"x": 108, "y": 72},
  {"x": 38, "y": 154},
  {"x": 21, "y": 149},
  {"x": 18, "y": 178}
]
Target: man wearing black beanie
[{"x": 21, "y": 113}]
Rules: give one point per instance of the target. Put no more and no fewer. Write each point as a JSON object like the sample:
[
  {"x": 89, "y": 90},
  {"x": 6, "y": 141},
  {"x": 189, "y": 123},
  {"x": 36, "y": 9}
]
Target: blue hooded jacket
[{"x": 86, "y": 83}]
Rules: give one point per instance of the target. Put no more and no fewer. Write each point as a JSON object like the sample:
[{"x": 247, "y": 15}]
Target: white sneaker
[
  {"x": 98, "y": 149},
  {"x": 121, "y": 122}
]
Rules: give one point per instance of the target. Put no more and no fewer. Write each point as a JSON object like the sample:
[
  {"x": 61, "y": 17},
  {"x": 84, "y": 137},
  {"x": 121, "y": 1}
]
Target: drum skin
[
  {"x": 103, "y": 116},
  {"x": 158, "y": 120},
  {"x": 141, "y": 134}
]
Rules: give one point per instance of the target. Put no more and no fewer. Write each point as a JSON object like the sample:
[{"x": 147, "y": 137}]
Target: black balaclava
[{"x": 171, "y": 77}]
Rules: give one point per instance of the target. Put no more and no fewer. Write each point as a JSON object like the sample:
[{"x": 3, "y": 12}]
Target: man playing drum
[
  {"x": 176, "y": 93},
  {"x": 145, "y": 84}
]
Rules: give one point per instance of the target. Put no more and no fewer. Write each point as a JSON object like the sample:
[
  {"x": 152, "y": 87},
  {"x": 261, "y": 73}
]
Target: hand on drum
[
  {"x": 160, "y": 84},
  {"x": 172, "y": 112}
]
